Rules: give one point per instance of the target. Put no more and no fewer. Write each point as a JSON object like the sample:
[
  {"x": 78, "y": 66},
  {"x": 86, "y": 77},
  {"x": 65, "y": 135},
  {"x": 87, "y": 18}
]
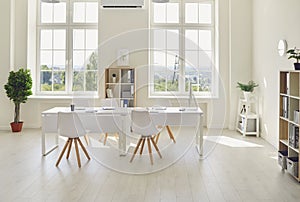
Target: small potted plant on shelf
[
  {"x": 247, "y": 88},
  {"x": 294, "y": 54},
  {"x": 18, "y": 88}
]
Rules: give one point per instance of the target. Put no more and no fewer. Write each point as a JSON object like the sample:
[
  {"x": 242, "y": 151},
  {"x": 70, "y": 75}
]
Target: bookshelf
[
  {"x": 120, "y": 84},
  {"x": 289, "y": 104}
]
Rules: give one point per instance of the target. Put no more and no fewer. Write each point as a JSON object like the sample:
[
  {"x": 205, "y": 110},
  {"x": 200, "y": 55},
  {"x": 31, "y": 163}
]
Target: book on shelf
[{"x": 294, "y": 136}]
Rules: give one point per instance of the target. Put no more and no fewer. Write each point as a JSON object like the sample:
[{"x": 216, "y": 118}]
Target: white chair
[
  {"x": 70, "y": 126},
  {"x": 106, "y": 128},
  {"x": 142, "y": 124}
]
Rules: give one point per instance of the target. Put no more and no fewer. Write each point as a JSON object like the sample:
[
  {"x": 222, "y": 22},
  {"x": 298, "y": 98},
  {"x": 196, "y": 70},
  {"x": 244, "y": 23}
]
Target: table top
[{"x": 125, "y": 110}]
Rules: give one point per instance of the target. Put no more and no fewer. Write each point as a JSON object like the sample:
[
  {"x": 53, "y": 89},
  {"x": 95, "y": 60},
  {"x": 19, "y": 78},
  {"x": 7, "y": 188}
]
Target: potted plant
[
  {"x": 18, "y": 88},
  {"x": 294, "y": 54},
  {"x": 247, "y": 88}
]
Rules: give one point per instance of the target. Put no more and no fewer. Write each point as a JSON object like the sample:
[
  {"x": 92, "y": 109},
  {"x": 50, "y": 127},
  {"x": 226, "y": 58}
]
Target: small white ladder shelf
[{"x": 247, "y": 116}]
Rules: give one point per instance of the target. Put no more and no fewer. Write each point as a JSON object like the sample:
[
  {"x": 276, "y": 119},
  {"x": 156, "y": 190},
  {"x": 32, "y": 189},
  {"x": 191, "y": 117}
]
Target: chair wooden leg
[
  {"x": 170, "y": 133},
  {"x": 84, "y": 150},
  {"x": 150, "y": 150},
  {"x": 77, "y": 152},
  {"x": 155, "y": 146},
  {"x": 157, "y": 137},
  {"x": 69, "y": 149},
  {"x": 62, "y": 152},
  {"x": 87, "y": 140},
  {"x": 105, "y": 138},
  {"x": 136, "y": 149},
  {"x": 142, "y": 147}
]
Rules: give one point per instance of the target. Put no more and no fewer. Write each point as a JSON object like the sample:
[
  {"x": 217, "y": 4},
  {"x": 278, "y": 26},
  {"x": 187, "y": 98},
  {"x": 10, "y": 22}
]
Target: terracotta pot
[{"x": 16, "y": 127}]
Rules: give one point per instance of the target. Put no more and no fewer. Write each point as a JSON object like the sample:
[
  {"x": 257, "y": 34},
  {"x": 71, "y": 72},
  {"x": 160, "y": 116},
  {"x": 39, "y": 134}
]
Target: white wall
[
  {"x": 240, "y": 51},
  {"x": 5, "y": 113},
  {"x": 272, "y": 21}
]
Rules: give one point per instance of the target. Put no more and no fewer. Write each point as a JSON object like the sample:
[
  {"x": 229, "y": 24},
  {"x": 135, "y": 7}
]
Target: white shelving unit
[
  {"x": 122, "y": 87},
  {"x": 247, "y": 117}
]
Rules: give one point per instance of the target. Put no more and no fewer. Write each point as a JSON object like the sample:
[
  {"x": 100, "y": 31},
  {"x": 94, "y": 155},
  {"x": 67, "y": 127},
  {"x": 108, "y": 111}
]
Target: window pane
[
  {"x": 78, "y": 39},
  {"x": 159, "y": 82},
  {"x": 46, "y": 39},
  {"x": 191, "y": 59},
  {"x": 205, "y": 13},
  {"x": 191, "y": 13},
  {"x": 159, "y": 13},
  {"x": 91, "y": 39},
  {"x": 46, "y": 58},
  {"x": 159, "y": 58},
  {"x": 78, "y": 81},
  {"x": 159, "y": 39},
  {"x": 91, "y": 81},
  {"x": 78, "y": 60},
  {"x": 92, "y": 12},
  {"x": 172, "y": 13},
  {"x": 79, "y": 12},
  {"x": 205, "y": 59},
  {"x": 172, "y": 81},
  {"x": 191, "y": 40},
  {"x": 205, "y": 39},
  {"x": 46, "y": 81},
  {"x": 59, "y": 39},
  {"x": 171, "y": 57},
  {"x": 91, "y": 60},
  {"x": 173, "y": 39},
  {"x": 59, "y": 81},
  {"x": 60, "y": 12},
  {"x": 59, "y": 58},
  {"x": 46, "y": 13}
]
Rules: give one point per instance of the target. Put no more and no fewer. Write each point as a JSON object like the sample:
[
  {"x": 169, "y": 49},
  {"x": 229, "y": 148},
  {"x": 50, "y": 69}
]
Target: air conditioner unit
[{"x": 122, "y": 3}]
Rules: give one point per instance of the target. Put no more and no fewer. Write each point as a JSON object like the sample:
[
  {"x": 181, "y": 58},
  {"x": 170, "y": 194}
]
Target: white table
[{"x": 171, "y": 116}]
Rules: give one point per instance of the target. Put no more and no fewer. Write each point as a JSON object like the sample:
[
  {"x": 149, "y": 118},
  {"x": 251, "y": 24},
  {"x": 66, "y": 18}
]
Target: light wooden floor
[{"x": 231, "y": 172}]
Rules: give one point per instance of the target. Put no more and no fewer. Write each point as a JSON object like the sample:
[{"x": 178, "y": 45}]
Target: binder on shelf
[
  {"x": 285, "y": 105},
  {"x": 296, "y": 116},
  {"x": 287, "y": 83}
]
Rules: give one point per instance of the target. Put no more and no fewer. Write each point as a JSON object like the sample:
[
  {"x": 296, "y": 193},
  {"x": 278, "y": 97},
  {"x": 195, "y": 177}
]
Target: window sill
[{"x": 59, "y": 97}]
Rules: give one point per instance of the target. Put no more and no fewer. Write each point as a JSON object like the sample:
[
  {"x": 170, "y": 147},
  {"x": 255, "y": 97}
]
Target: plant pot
[
  {"x": 247, "y": 95},
  {"x": 297, "y": 66},
  {"x": 16, "y": 127}
]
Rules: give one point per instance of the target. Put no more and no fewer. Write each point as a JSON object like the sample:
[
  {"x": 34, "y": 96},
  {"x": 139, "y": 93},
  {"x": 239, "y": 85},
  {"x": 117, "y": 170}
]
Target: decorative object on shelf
[
  {"x": 294, "y": 54},
  {"x": 114, "y": 78},
  {"x": 282, "y": 47},
  {"x": 18, "y": 88},
  {"x": 247, "y": 88},
  {"x": 123, "y": 58}
]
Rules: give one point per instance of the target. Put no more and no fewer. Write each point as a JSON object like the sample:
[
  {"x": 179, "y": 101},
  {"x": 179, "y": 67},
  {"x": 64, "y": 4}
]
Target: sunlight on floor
[{"x": 231, "y": 142}]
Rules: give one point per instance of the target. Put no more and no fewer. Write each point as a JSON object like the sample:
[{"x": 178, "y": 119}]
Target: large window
[
  {"x": 67, "y": 55},
  {"x": 183, "y": 48}
]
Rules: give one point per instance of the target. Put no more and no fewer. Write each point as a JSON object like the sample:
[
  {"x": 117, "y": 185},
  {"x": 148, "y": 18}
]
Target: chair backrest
[
  {"x": 109, "y": 102},
  {"x": 141, "y": 123},
  {"x": 69, "y": 125}
]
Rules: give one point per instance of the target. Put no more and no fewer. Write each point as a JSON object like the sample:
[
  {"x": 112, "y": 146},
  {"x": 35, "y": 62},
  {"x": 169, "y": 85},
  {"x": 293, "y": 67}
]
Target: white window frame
[
  {"x": 182, "y": 26},
  {"x": 69, "y": 26}
]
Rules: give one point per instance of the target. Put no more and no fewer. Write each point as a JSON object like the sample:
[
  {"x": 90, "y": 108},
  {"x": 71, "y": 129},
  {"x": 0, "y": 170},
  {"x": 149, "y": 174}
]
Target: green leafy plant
[
  {"x": 294, "y": 54},
  {"x": 18, "y": 88},
  {"x": 249, "y": 87}
]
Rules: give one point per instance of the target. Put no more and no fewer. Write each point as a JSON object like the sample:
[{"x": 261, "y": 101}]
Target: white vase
[{"x": 247, "y": 95}]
